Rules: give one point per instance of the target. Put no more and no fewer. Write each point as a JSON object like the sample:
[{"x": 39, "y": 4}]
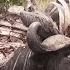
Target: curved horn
[
  {"x": 66, "y": 14},
  {"x": 55, "y": 10},
  {"x": 33, "y": 39}
]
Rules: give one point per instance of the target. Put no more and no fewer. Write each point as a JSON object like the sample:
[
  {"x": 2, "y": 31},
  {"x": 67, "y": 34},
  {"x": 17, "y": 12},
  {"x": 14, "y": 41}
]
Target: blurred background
[{"x": 41, "y": 4}]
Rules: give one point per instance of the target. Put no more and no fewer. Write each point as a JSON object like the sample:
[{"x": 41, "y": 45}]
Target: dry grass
[{"x": 42, "y": 4}]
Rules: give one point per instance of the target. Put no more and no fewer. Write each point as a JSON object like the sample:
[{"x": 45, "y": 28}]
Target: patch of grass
[{"x": 42, "y": 4}]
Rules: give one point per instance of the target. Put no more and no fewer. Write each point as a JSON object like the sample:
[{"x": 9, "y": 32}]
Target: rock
[
  {"x": 16, "y": 9},
  {"x": 55, "y": 42}
]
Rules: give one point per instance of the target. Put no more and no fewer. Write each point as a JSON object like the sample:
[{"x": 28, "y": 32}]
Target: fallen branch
[
  {"x": 9, "y": 32},
  {"x": 16, "y": 26}
]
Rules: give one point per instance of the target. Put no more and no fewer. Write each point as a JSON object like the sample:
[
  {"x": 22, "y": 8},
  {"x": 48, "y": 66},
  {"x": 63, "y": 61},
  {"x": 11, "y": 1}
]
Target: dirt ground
[{"x": 12, "y": 36}]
